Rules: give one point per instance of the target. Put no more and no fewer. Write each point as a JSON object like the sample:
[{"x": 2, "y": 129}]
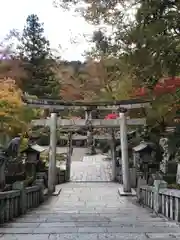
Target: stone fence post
[
  {"x": 158, "y": 184},
  {"x": 20, "y": 186},
  {"x": 141, "y": 182}
]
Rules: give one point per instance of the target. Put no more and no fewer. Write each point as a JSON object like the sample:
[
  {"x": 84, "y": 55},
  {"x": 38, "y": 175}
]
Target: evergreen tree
[
  {"x": 37, "y": 60},
  {"x": 156, "y": 40}
]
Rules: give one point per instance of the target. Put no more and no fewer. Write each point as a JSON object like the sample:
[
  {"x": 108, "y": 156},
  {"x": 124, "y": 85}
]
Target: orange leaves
[
  {"x": 10, "y": 97},
  {"x": 10, "y": 92},
  {"x": 75, "y": 85},
  {"x": 94, "y": 80},
  {"x": 10, "y": 104},
  {"x": 70, "y": 92},
  {"x": 11, "y": 68},
  {"x": 14, "y": 115}
]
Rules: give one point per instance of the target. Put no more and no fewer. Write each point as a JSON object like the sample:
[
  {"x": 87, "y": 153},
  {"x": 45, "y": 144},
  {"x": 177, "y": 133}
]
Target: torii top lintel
[{"x": 59, "y": 104}]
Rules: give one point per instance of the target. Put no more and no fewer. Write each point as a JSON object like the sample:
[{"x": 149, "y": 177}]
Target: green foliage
[
  {"x": 24, "y": 144},
  {"x": 149, "y": 35},
  {"x": 174, "y": 186},
  {"x": 44, "y": 140},
  {"x": 29, "y": 181},
  {"x": 97, "y": 12},
  {"x": 102, "y": 145},
  {"x": 174, "y": 142},
  {"x": 146, "y": 38},
  {"x": 156, "y": 40},
  {"x": 162, "y": 111},
  {"x": 37, "y": 61}
]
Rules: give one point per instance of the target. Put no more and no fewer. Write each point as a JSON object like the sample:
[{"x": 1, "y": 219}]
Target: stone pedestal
[{"x": 171, "y": 173}]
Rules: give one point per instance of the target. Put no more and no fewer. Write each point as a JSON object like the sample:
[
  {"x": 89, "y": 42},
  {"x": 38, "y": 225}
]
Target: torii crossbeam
[{"x": 97, "y": 123}]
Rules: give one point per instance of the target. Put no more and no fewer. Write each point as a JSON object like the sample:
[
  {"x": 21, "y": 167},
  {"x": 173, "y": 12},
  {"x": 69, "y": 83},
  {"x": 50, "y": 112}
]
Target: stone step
[
  {"x": 90, "y": 212},
  {"x": 90, "y": 224},
  {"x": 82, "y": 236},
  {"x": 41, "y": 219},
  {"x": 84, "y": 214},
  {"x": 87, "y": 230},
  {"x": 92, "y": 217}
]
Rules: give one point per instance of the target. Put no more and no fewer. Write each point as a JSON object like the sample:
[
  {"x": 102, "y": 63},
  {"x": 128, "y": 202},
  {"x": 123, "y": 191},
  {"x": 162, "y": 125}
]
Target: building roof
[
  {"x": 143, "y": 145},
  {"x": 140, "y": 147},
  {"x": 34, "y": 148}
]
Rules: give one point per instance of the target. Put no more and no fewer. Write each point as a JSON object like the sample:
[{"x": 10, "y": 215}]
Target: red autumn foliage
[
  {"x": 165, "y": 85},
  {"x": 111, "y": 116}
]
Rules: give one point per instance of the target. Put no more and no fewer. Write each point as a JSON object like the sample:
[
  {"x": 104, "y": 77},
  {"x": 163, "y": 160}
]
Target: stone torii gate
[{"x": 121, "y": 123}]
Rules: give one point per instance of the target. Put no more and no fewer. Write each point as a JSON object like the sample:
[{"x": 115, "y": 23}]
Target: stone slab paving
[
  {"x": 91, "y": 168},
  {"x": 90, "y": 211},
  {"x": 78, "y": 153},
  {"x": 87, "y": 168}
]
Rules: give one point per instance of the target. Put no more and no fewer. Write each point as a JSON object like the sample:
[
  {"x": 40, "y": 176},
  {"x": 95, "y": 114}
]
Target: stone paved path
[
  {"x": 90, "y": 211},
  {"x": 87, "y": 168},
  {"x": 91, "y": 169}
]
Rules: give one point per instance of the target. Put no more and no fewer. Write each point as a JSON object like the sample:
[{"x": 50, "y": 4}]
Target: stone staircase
[{"x": 90, "y": 211}]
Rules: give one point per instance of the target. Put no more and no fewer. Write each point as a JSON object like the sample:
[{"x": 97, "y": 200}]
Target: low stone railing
[
  {"x": 16, "y": 202},
  {"x": 33, "y": 197},
  {"x": 161, "y": 199},
  {"x": 147, "y": 196},
  {"x": 9, "y": 205}
]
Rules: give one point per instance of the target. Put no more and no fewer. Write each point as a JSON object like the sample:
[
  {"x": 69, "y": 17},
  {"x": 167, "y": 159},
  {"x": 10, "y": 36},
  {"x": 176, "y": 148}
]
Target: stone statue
[
  {"x": 145, "y": 133},
  {"x": 90, "y": 139},
  {"x": 13, "y": 147},
  {"x": 163, "y": 142}
]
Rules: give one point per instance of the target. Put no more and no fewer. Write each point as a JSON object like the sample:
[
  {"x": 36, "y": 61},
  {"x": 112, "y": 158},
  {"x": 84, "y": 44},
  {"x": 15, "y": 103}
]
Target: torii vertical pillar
[
  {"x": 68, "y": 161},
  {"x": 90, "y": 139},
  {"x": 124, "y": 152},
  {"x": 113, "y": 155},
  {"x": 52, "y": 154}
]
